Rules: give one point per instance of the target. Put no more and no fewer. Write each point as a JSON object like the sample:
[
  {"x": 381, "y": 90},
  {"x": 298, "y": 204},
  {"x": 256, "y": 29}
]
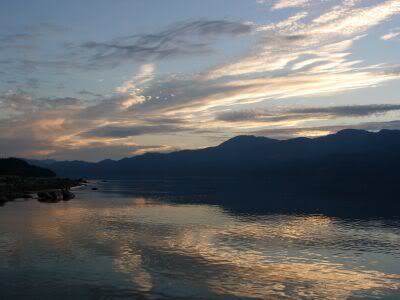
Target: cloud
[
  {"x": 300, "y": 37},
  {"x": 39, "y": 123},
  {"x": 59, "y": 102},
  {"x": 290, "y": 132},
  {"x": 95, "y": 151},
  {"x": 284, "y": 123},
  {"x": 184, "y": 38},
  {"x": 271, "y": 116},
  {"x": 88, "y": 93},
  {"x": 290, "y": 3},
  {"x": 181, "y": 39},
  {"x": 12, "y": 103},
  {"x": 98, "y": 151},
  {"x": 68, "y": 128},
  {"x": 22, "y": 147},
  {"x": 392, "y": 35},
  {"x": 297, "y": 57},
  {"x": 132, "y": 87},
  {"x": 26, "y": 37},
  {"x": 193, "y": 95},
  {"x": 60, "y": 65},
  {"x": 16, "y": 41},
  {"x": 349, "y": 111},
  {"x": 349, "y": 20},
  {"x": 21, "y": 102},
  {"x": 118, "y": 131}
]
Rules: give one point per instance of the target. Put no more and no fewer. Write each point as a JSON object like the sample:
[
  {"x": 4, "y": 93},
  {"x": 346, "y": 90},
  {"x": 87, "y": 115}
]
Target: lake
[{"x": 150, "y": 240}]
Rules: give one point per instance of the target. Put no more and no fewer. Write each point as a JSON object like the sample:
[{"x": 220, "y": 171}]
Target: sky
[{"x": 98, "y": 79}]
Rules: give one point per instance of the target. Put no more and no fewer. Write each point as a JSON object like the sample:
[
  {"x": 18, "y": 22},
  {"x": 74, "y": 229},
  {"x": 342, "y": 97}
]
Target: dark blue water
[{"x": 129, "y": 241}]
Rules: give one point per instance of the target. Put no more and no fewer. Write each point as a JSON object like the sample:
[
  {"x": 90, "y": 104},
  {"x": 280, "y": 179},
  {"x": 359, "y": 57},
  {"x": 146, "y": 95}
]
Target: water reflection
[{"x": 108, "y": 245}]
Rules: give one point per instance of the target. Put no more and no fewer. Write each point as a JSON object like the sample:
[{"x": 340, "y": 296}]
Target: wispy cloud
[
  {"x": 290, "y": 132},
  {"x": 118, "y": 131},
  {"x": 26, "y": 38},
  {"x": 290, "y": 3},
  {"x": 297, "y": 38},
  {"x": 392, "y": 35},
  {"x": 178, "y": 40},
  {"x": 264, "y": 115},
  {"x": 132, "y": 87},
  {"x": 349, "y": 111},
  {"x": 56, "y": 127},
  {"x": 194, "y": 95},
  {"x": 294, "y": 58},
  {"x": 187, "y": 38}
]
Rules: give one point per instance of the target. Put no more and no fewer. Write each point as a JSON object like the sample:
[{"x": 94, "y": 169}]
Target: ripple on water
[{"x": 105, "y": 244}]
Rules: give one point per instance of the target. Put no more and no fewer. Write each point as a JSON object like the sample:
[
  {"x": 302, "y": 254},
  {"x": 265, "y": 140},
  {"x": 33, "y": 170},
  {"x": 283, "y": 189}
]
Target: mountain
[
  {"x": 243, "y": 155},
  {"x": 19, "y": 167},
  {"x": 350, "y": 162}
]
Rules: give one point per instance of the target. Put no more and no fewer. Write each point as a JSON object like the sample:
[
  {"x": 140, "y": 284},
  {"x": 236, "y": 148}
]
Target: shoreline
[{"x": 44, "y": 189}]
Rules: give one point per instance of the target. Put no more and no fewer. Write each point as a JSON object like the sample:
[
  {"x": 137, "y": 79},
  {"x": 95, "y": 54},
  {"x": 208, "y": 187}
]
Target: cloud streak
[
  {"x": 281, "y": 4},
  {"x": 186, "y": 38},
  {"x": 118, "y": 131},
  {"x": 392, "y": 35},
  {"x": 290, "y": 132},
  {"x": 286, "y": 121},
  {"x": 264, "y": 115}
]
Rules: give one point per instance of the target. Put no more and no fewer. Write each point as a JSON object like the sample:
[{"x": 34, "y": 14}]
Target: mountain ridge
[
  {"x": 18, "y": 167},
  {"x": 238, "y": 155}
]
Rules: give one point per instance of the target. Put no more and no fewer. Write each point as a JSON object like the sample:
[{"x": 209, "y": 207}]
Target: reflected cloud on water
[{"x": 166, "y": 250}]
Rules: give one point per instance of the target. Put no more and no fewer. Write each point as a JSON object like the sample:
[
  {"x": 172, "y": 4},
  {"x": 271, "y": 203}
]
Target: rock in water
[
  {"x": 57, "y": 195},
  {"x": 43, "y": 196},
  {"x": 49, "y": 197},
  {"x": 67, "y": 195}
]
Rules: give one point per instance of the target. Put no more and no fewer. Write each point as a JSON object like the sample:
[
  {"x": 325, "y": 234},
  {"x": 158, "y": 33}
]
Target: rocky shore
[{"x": 43, "y": 189}]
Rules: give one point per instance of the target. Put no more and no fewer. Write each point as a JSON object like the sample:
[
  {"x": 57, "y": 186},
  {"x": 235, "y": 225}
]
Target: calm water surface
[{"x": 113, "y": 243}]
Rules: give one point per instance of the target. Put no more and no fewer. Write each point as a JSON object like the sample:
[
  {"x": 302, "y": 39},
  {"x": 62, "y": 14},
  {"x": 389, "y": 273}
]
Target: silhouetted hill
[
  {"x": 19, "y": 167},
  {"x": 349, "y": 159}
]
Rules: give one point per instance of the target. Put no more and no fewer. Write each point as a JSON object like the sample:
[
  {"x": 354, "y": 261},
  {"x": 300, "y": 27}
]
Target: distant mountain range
[
  {"x": 20, "y": 168},
  {"x": 349, "y": 156}
]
